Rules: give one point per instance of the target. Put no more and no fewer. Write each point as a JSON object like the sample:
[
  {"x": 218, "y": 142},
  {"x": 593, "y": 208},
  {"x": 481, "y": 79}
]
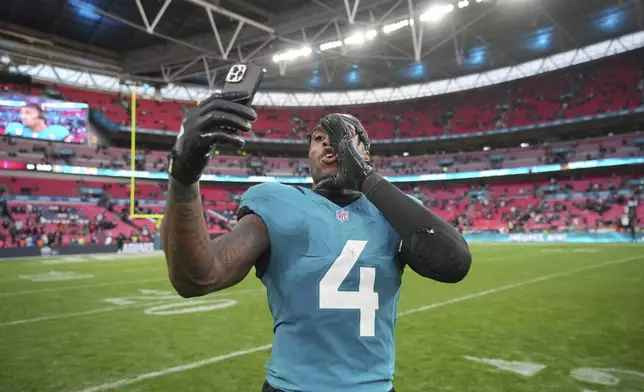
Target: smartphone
[{"x": 243, "y": 77}]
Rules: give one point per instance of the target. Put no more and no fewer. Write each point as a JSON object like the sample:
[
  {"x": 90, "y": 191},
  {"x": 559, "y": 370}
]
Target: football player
[
  {"x": 33, "y": 125},
  {"x": 331, "y": 257}
]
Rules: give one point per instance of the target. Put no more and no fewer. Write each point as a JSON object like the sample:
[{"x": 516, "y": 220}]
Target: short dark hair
[{"x": 33, "y": 106}]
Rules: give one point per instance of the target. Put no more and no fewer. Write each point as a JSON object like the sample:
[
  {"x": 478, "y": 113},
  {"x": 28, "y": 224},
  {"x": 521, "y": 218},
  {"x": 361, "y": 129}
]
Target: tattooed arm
[{"x": 198, "y": 265}]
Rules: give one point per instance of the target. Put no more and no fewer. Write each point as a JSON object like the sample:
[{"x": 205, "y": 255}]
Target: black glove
[
  {"x": 353, "y": 168},
  {"x": 215, "y": 120}
]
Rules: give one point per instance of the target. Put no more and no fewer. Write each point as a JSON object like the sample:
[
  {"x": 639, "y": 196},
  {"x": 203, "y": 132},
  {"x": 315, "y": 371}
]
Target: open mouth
[{"x": 329, "y": 159}]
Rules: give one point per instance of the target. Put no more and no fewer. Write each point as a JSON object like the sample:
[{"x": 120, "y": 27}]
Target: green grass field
[{"x": 527, "y": 318}]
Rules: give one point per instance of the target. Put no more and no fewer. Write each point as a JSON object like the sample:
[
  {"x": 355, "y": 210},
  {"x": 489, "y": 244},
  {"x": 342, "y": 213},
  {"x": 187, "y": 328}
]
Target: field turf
[{"x": 527, "y": 318}]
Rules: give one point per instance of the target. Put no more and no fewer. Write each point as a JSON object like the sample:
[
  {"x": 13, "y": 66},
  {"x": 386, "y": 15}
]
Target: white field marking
[
  {"x": 194, "y": 365},
  {"x": 176, "y": 369},
  {"x": 520, "y": 284},
  {"x": 152, "y": 302},
  {"x": 192, "y": 307},
  {"x": 87, "y": 286},
  {"x": 572, "y": 250},
  {"x": 602, "y": 376},
  {"x": 527, "y": 369},
  {"x": 141, "y": 269},
  {"x": 55, "y": 276},
  {"x": 594, "y": 376},
  {"x": 65, "y": 260}
]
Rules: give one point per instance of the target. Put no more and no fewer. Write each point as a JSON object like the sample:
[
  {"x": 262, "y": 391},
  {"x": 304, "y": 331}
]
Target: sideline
[
  {"x": 97, "y": 256},
  {"x": 193, "y": 365}
]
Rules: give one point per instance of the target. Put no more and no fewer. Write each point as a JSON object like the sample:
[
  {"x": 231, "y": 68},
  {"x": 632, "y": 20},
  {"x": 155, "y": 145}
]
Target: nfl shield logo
[{"x": 342, "y": 215}]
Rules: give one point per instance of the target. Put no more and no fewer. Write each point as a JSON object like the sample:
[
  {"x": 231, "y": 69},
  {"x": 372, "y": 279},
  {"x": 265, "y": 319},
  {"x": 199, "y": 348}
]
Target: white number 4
[{"x": 365, "y": 299}]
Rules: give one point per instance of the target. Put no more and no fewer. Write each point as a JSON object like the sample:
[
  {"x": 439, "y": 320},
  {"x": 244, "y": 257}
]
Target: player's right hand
[{"x": 218, "y": 119}]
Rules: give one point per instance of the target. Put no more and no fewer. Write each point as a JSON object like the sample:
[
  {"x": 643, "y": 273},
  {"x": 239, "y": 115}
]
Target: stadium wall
[
  {"x": 570, "y": 238},
  {"x": 70, "y": 250}
]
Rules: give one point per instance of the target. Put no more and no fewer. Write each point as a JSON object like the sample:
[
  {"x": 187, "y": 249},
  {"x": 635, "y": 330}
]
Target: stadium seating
[
  {"x": 605, "y": 85},
  {"x": 606, "y": 147},
  {"x": 590, "y": 203}
]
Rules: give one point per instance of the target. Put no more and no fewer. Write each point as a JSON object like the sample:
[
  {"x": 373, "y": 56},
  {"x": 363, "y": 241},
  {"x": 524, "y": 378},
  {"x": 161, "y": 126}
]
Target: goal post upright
[{"x": 133, "y": 214}]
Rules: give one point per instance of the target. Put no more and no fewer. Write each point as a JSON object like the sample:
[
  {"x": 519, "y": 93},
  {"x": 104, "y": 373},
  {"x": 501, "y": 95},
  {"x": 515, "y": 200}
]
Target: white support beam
[
  {"x": 457, "y": 48},
  {"x": 146, "y": 23},
  {"x": 234, "y": 37},
  {"x": 339, "y": 33},
  {"x": 416, "y": 38},
  {"x": 156, "y": 20},
  {"x": 282, "y": 67},
  {"x": 215, "y": 30},
  {"x": 165, "y": 73},
  {"x": 460, "y": 29},
  {"x": 210, "y": 77},
  {"x": 257, "y": 49},
  {"x": 240, "y": 18},
  {"x": 389, "y": 11},
  {"x": 329, "y": 74},
  {"x": 185, "y": 67},
  {"x": 322, "y": 30},
  {"x": 351, "y": 12},
  {"x": 165, "y": 37},
  {"x": 304, "y": 37}
]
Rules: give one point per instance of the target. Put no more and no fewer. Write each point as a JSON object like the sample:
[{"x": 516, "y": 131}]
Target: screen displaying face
[{"x": 42, "y": 118}]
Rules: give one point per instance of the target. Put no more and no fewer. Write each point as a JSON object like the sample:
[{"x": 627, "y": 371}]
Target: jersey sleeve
[
  {"x": 57, "y": 132},
  {"x": 258, "y": 200},
  {"x": 14, "y": 129},
  {"x": 269, "y": 201}
]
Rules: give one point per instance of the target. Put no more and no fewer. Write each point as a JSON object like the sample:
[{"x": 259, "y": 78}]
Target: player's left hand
[{"x": 353, "y": 167}]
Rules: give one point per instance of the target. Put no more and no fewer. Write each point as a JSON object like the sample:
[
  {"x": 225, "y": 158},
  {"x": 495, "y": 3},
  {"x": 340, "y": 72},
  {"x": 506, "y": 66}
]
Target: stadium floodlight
[
  {"x": 486, "y": 148},
  {"x": 390, "y": 28},
  {"x": 436, "y": 12},
  {"x": 5, "y": 59},
  {"x": 360, "y": 38},
  {"x": 371, "y": 34},
  {"x": 330, "y": 45},
  {"x": 524, "y": 145},
  {"x": 292, "y": 54},
  {"x": 463, "y": 3}
]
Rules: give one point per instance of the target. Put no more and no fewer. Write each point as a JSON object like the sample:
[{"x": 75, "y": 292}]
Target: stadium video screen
[{"x": 43, "y": 118}]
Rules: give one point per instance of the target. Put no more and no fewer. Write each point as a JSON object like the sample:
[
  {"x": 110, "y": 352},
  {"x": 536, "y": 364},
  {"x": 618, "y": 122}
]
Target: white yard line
[
  {"x": 86, "y": 286},
  {"x": 194, "y": 365},
  {"x": 520, "y": 284},
  {"x": 176, "y": 369},
  {"x": 114, "y": 308}
]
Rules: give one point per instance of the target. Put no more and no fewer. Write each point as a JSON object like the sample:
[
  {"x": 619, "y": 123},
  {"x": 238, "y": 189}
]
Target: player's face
[
  {"x": 29, "y": 116},
  {"x": 322, "y": 159}
]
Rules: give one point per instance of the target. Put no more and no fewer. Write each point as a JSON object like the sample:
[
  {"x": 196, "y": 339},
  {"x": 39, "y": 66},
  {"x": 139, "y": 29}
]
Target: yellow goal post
[{"x": 133, "y": 214}]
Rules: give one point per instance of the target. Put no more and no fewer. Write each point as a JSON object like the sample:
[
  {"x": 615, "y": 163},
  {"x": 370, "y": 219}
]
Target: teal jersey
[
  {"x": 332, "y": 281},
  {"x": 53, "y": 132}
]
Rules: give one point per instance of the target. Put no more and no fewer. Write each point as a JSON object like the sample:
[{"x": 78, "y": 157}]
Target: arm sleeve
[{"x": 431, "y": 246}]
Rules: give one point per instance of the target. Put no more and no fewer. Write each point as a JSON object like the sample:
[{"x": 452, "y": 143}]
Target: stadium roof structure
[{"x": 321, "y": 45}]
